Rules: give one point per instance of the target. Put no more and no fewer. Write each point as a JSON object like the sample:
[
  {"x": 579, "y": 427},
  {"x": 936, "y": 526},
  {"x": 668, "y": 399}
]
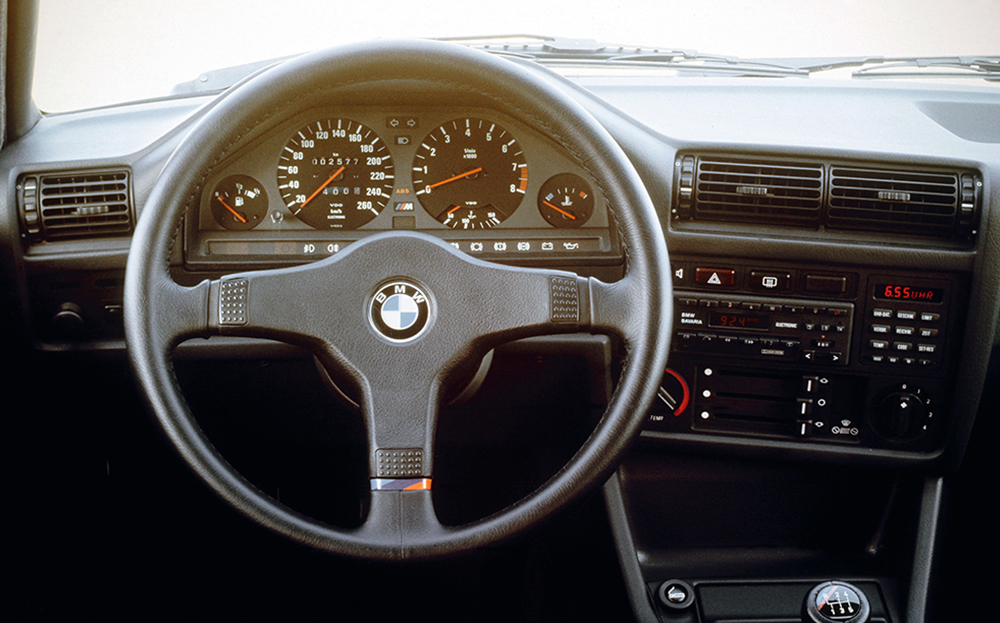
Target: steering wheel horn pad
[{"x": 356, "y": 310}]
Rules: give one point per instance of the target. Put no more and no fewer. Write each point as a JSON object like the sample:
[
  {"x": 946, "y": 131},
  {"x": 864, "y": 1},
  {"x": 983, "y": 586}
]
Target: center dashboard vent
[
  {"x": 758, "y": 192},
  {"x": 91, "y": 204},
  {"x": 814, "y": 195},
  {"x": 894, "y": 200}
]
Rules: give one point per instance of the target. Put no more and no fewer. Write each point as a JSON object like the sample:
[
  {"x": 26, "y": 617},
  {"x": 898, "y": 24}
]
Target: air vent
[
  {"x": 787, "y": 193},
  {"x": 76, "y": 205},
  {"x": 803, "y": 193},
  {"x": 901, "y": 201}
]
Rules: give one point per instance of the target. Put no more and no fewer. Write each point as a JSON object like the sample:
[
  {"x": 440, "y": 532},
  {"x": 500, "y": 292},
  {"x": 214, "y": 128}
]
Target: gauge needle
[
  {"x": 320, "y": 189},
  {"x": 452, "y": 179},
  {"x": 563, "y": 212},
  {"x": 238, "y": 216}
]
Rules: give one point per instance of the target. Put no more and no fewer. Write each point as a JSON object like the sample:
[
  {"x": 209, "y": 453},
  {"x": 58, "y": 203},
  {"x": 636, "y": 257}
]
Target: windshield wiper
[
  {"x": 984, "y": 67},
  {"x": 556, "y": 51}
]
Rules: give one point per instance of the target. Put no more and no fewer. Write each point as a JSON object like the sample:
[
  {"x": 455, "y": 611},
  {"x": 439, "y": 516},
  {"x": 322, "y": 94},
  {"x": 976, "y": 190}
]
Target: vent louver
[
  {"x": 758, "y": 192},
  {"x": 813, "y": 194},
  {"x": 77, "y": 205},
  {"x": 902, "y": 201}
]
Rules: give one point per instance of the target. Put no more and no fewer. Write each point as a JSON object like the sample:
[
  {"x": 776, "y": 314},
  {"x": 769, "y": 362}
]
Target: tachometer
[
  {"x": 335, "y": 174},
  {"x": 470, "y": 174}
]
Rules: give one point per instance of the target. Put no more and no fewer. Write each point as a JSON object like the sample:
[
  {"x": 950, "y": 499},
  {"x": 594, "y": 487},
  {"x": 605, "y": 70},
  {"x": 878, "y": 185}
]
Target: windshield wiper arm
[{"x": 985, "y": 67}]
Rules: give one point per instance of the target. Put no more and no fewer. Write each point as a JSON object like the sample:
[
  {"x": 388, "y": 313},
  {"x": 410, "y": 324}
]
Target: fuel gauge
[
  {"x": 239, "y": 202},
  {"x": 566, "y": 200}
]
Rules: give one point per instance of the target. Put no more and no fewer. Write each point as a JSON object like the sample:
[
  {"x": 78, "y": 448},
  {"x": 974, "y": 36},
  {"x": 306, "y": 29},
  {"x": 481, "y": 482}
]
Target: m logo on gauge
[{"x": 399, "y": 311}]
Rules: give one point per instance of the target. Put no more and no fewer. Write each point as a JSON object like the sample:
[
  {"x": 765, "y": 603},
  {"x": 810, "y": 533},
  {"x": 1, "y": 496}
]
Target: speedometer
[
  {"x": 470, "y": 174},
  {"x": 335, "y": 174}
]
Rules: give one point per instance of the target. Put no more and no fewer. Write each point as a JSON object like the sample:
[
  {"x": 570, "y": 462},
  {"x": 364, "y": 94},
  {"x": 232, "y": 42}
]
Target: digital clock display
[
  {"x": 907, "y": 292},
  {"x": 761, "y": 322}
]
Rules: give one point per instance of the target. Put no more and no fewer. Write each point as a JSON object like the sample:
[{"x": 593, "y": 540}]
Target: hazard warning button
[{"x": 719, "y": 277}]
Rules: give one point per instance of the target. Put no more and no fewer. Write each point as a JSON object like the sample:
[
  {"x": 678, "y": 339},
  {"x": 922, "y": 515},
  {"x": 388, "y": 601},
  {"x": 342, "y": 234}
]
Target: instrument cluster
[{"x": 486, "y": 183}]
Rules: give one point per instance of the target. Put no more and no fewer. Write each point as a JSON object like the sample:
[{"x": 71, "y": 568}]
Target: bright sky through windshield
[{"x": 105, "y": 51}]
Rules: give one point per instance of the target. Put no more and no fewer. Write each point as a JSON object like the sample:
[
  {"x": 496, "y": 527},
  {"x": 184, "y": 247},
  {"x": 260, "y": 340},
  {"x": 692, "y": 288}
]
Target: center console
[{"x": 816, "y": 355}]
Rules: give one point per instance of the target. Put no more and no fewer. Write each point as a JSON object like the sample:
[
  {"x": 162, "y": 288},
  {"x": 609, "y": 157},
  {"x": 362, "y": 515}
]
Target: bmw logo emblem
[{"x": 399, "y": 311}]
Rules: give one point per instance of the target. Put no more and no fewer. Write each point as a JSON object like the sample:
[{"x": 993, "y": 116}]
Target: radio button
[
  {"x": 823, "y": 343},
  {"x": 829, "y": 356}
]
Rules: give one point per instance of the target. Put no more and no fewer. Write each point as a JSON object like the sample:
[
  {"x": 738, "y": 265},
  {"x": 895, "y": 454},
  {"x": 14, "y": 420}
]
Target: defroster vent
[{"x": 56, "y": 206}]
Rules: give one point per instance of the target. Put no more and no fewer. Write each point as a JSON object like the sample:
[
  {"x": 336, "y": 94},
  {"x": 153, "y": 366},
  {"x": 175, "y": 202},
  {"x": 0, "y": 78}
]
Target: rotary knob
[{"x": 903, "y": 415}]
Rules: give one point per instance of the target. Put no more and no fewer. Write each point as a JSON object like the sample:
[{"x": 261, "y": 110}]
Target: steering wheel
[{"x": 396, "y": 313}]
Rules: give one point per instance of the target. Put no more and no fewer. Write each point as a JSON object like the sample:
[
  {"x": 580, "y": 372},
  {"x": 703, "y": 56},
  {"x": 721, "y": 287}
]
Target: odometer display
[
  {"x": 335, "y": 174},
  {"x": 907, "y": 292},
  {"x": 470, "y": 174}
]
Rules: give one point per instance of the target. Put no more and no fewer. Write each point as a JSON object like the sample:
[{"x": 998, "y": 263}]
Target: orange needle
[
  {"x": 320, "y": 189},
  {"x": 563, "y": 212},
  {"x": 455, "y": 209},
  {"x": 457, "y": 177},
  {"x": 226, "y": 206}
]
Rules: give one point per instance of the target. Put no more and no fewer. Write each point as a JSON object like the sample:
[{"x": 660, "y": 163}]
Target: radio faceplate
[{"x": 787, "y": 330}]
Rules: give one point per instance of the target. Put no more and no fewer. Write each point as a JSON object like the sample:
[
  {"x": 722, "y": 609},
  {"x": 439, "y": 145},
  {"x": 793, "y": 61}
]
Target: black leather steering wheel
[{"x": 463, "y": 306}]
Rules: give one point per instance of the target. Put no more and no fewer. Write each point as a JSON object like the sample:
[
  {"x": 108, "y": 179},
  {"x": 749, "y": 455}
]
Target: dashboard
[
  {"x": 835, "y": 269},
  {"x": 487, "y": 184}
]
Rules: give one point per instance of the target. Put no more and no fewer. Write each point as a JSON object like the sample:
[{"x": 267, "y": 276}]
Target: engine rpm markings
[
  {"x": 470, "y": 174},
  {"x": 335, "y": 174}
]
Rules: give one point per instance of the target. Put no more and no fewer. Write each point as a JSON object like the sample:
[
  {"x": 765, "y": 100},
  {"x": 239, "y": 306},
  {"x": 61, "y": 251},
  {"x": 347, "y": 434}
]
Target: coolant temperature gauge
[
  {"x": 566, "y": 200},
  {"x": 239, "y": 202}
]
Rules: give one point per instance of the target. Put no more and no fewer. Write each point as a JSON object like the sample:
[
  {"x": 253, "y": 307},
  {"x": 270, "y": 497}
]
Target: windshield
[{"x": 103, "y": 52}]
